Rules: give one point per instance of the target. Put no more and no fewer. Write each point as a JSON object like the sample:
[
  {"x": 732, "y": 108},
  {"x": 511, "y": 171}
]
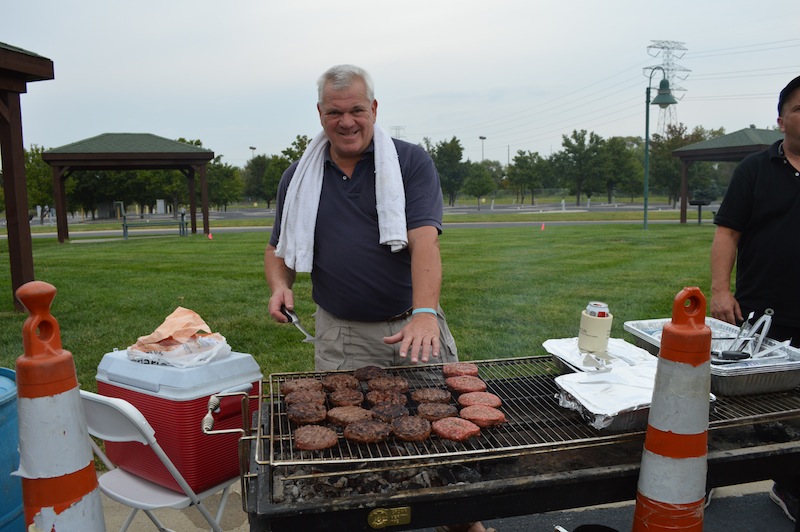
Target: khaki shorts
[{"x": 349, "y": 345}]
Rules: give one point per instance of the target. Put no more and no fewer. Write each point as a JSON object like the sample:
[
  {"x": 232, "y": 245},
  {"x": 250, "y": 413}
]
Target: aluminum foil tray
[
  {"x": 614, "y": 400},
  {"x": 620, "y": 354},
  {"x": 750, "y": 376}
]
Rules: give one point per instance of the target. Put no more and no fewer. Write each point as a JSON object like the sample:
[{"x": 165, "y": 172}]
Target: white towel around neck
[{"x": 296, "y": 241}]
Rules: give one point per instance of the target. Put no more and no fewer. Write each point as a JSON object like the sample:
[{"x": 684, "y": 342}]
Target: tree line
[{"x": 587, "y": 166}]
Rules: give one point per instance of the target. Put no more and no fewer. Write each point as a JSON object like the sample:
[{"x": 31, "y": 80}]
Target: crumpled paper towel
[{"x": 179, "y": 341}]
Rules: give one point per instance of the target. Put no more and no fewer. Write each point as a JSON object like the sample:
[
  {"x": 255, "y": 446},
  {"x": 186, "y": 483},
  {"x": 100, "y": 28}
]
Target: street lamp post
[
  {"x": 253, "y": 151},
  {"x": 482, "y": 139},
  {"x": 663, "y": 99}
]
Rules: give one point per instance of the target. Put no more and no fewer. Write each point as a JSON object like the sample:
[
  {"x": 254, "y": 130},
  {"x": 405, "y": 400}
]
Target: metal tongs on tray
[{"x": 756, "y": 333}]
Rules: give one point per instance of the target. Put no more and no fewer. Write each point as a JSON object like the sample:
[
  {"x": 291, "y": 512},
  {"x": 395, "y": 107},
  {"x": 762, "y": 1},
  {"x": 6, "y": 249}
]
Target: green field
[{"x": 505, "y": 290}]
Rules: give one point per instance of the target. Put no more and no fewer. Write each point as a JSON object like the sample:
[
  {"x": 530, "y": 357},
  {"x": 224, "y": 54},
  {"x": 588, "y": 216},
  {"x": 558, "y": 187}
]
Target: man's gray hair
[{"x": 342, "y": 76}]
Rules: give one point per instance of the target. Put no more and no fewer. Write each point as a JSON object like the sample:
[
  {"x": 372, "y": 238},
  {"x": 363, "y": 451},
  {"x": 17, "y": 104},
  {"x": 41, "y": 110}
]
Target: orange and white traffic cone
[
  {"x": 59, "y": 483},
  {"x": 672, "y": 478}
]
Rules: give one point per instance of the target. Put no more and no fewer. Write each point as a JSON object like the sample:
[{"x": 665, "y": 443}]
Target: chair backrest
[{"x": 114, "y": 419}]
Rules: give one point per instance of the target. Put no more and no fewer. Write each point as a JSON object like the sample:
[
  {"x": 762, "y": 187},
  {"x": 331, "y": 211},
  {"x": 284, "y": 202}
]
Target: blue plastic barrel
[{"x": 12, "y": 518}]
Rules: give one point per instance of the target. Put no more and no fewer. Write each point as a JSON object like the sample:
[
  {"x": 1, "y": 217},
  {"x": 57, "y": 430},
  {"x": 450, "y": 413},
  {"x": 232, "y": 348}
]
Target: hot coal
[{"x": 387, "y": 482}]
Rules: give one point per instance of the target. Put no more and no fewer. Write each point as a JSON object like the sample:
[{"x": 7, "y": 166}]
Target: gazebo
[
  {"x": 18, "y": 67},
  {"x": 732, "y": 147},
  {"x": 129, "y": 151}
]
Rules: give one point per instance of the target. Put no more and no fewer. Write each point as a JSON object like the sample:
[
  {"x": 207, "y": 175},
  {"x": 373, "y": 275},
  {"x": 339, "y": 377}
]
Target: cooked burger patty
[
  {"x": 347, "y": 397},
  {"x": 465, "y": 384},
  {"x": 455, "y": 429},
  {"x": 480, "y": 398},
  {"x": 367, "y": 431},
  {"x": 456, "y": 369},
  {"x": 388, "y": 411},
  {"x": 376, "y": 397},
  {"x": 482, "y": 415},
  {"x": 314, "y": 438},
  {"x": 392, "y": 383},
  {"x": 411, "y": 428},
  {"x": 344, "y": 415},
  {"x": 431, "y": 395},
  {"x": 434, "y": 411},
  {"x": 305, "y": 396},
  {"x": 293, "y": 385},
  {"x": 368, "y": 372},
  {"x": 337, "y": 381},
  {"x": 305, "y": 413}
]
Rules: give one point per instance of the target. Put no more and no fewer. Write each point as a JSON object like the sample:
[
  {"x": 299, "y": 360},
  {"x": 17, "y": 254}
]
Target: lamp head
[{"x": 664, "y": 98}]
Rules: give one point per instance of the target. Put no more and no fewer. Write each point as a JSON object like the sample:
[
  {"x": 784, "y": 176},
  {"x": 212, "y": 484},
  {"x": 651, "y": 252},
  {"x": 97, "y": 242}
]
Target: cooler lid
[
  {"x": 8, "y": 385},
  {"x": 231, "y": 373}
]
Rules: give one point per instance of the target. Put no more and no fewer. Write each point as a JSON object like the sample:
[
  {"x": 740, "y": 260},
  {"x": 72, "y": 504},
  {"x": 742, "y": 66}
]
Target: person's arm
[
  {"x": 420, "y": 337},
  {"x": 280, "y": 279},
  {"x": 723, "y": 257}
]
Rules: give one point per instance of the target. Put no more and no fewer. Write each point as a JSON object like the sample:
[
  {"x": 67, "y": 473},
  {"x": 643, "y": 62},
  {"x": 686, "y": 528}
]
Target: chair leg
[
  {"x": 154, "y": 519},
  {"x": 214, "y": 524},
  {"x": 129, "y": 520},
  {"x": 222, "y": 502}
]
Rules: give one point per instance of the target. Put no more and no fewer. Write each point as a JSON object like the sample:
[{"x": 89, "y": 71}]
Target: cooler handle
[{"x": 215, "y": 405}]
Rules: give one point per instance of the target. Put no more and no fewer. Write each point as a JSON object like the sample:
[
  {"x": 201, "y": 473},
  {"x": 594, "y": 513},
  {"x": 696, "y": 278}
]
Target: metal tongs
[
  {"x": 294, "y": 320},
  {"x": 747, "y": 333}
]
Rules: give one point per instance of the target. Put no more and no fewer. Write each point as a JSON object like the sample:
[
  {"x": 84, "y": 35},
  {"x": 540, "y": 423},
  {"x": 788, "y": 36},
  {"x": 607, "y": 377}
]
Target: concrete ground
[{"x": 731, "y": 509}]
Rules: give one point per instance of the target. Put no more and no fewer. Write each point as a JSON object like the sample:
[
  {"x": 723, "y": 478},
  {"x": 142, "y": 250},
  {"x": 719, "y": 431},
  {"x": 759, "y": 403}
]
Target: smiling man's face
[{"x": 348, "y": 118}]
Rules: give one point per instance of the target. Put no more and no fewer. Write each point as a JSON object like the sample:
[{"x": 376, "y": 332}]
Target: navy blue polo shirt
[{"x": 354, "y": 277}]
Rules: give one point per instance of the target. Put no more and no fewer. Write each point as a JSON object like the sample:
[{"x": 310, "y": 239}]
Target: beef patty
[
  {"x": 305, "y": 413},
  {"x": 388, "y": 411},
  {"x": 344, "y": 415},
  {"x": 434, "y": 411},
  {"x": 305, "y": 396},
  {"x": 368, "y": 372},
  {"x": 455, "y": 429},
  {"x": 337, "y": 381},
  {"x": 465, "y": 384},
  {"x": 346, "y": 397},
  {"x": 367, "y": 431},
  {"x": 376, "y": 397},
  {"x": 392, "y": 383},
  {"x": 479, "y": 398},
  {"x": 411, "y": 428},
  {"x": 293, "y": 385},
  {"x": 314, "y": 438},
  {"x": 482, "y": 415},
  {"x": 455, "y": 369},
  {"x": 431, "y": 395}
]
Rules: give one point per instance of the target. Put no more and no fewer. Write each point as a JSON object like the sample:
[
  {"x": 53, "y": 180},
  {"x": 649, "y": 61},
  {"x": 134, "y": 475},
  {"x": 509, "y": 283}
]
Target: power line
[{"x": 619, "y": 92}]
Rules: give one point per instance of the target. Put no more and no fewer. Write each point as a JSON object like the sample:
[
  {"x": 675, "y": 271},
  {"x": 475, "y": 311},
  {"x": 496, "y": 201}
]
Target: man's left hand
[{"x": 420, "y": 338}]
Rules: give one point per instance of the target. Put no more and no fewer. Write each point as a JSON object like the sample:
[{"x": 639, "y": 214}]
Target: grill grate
[{"x": 535, "y": 421}]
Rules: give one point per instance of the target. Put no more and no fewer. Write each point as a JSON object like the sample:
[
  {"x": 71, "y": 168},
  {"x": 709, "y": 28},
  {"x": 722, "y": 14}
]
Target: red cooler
[{"x": 174, "y": 401}]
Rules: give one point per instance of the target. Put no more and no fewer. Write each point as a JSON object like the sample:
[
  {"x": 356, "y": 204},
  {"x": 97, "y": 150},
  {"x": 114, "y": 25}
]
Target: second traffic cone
[
  {"x": 59, "y": 483},
  {"x": 672, "y": 478}
]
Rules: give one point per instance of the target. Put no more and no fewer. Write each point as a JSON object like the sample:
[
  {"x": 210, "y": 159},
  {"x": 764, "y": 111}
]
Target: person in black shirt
[{"x": 757, "y": 225}]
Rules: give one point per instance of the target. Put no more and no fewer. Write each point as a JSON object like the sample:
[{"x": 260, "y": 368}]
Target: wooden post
[{"x": 20, "y": 249}]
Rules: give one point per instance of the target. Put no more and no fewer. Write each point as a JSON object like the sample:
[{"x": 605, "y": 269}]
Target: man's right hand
[
  {"x": 278, "y": 300},
  {"x": 725, "y": 307}
]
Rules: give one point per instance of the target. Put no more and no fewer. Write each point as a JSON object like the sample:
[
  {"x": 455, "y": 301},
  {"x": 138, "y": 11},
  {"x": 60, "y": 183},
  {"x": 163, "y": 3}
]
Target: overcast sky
[{"x": 522, "y": 73}]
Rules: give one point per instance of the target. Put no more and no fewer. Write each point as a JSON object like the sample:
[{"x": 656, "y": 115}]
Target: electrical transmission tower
[
  {"x": 398, "y": 132},
  {"x": 667, "y": 49}
]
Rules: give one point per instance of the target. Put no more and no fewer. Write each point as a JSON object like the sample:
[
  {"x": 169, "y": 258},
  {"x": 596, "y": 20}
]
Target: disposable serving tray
[{"x": 778, "y": 373}]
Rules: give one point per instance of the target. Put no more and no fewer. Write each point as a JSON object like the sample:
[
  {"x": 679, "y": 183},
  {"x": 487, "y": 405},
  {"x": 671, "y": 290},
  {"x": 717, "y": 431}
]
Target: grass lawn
[{"x": 505, "y": 290}]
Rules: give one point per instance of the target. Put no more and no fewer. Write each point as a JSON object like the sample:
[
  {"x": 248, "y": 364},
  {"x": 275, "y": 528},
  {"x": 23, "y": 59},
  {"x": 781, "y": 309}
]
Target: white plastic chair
[{"x": 117, "y": 420}]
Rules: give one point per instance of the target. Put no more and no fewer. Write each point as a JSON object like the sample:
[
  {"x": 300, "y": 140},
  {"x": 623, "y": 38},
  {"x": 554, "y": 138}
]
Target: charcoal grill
[{"x": 544, "y": 458}]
